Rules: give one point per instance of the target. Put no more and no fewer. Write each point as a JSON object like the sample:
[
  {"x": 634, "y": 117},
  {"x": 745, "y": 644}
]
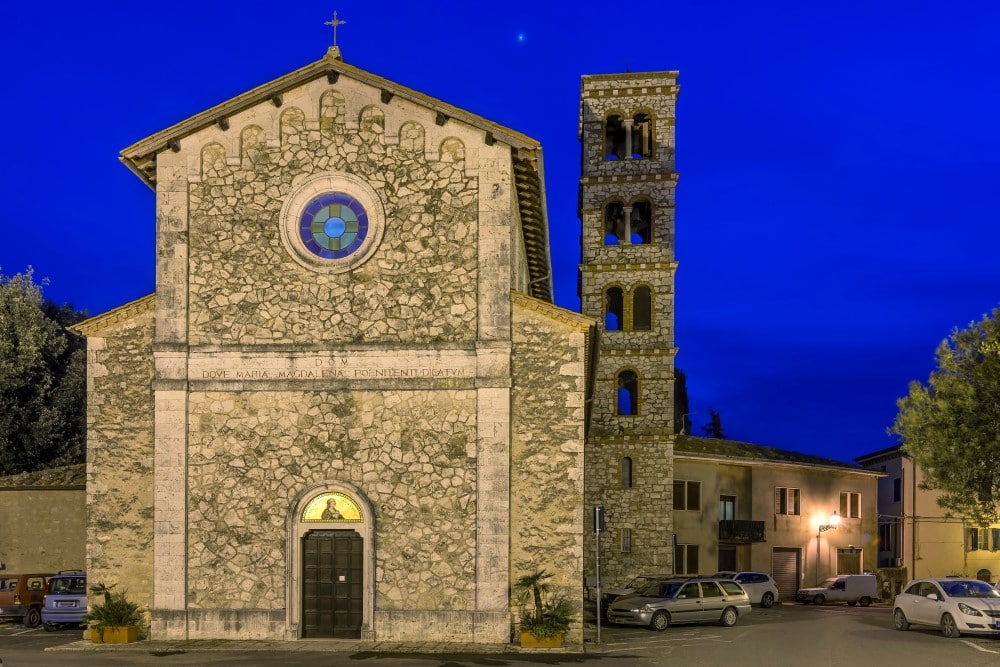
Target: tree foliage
[
  {"x": 682, "y": 408},
  {"x": 951, "y": 426},
  {"x": 713, "y": 429},
  {"x": 42, "y": 379}
]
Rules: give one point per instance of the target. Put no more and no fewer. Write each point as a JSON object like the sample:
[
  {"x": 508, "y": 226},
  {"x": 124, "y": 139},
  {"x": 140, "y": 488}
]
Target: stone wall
[
  {"x": 547, "y": 447},
  {"x": 242, "y": 286},
  {"x": 120, "y": 454},
  {"x": 638, "y": 507},
  {"x": 252, "y": 454},
  {"x": 645, "y": 508},
  {"x": 43, "y": 521}
]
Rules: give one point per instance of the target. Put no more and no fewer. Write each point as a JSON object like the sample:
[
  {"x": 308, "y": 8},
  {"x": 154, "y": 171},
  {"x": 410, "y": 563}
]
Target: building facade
[
  {"x": 42, "y": 514},
  {"x": 916, "y": 534},
  {"x": 801, "y": 518},
  {"x": 350, "y": 409}
]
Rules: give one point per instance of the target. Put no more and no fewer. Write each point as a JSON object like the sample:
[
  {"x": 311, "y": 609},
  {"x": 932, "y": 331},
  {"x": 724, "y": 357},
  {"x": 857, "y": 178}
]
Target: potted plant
[
  {"x": 116, "y": 620},
  {"x": 545, "y": 618}
]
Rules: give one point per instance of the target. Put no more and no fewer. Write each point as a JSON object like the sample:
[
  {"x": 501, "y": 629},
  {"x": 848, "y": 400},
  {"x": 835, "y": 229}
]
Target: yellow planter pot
[
  {"x": 529, "y": 640},
  {"x": 113, "y": 635}
]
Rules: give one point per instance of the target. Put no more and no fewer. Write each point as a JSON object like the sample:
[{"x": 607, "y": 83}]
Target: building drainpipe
[{"x": 913, "y": 522}]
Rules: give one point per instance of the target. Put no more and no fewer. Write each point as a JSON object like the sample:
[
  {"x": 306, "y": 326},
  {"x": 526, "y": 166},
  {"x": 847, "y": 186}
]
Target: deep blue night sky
[{"x": 836, "y": 212}]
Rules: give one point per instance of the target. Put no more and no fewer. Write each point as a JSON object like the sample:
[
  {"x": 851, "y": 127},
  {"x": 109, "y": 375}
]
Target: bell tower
[{"x": 626, "y": 206}]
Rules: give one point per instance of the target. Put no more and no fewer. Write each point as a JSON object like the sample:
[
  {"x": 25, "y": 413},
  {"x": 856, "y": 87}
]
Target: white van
[{"x": 850, "y": 588}]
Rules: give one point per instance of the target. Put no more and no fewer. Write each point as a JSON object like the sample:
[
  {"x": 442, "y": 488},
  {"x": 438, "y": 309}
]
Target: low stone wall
[
  {"x": 443, "y": 626},
  {"x": 43, "y": 521}
]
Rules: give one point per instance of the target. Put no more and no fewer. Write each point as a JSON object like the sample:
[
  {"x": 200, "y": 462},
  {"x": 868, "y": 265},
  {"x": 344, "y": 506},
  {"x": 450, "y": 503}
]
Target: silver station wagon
[{"x": 694, "y": 600}]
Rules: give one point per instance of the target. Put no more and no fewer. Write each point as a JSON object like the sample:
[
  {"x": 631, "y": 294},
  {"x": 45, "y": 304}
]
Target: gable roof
[
  {"x": 94, "y": 325},
  {"x": 716, "y": 448},
  {"x": 140, "y": 157}
]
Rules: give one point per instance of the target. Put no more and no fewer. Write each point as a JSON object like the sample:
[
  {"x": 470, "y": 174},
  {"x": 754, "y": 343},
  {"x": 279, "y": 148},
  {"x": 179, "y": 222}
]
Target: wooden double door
[{"x": 332, "y": 584}]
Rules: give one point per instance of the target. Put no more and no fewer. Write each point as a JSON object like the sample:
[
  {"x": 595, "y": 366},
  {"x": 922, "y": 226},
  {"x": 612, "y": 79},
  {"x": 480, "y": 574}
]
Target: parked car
[
  {"x": 956, "y": 606},
  {"x": 850, "y": 588},
  {"x": 65, "y": 600},
  {"x": 634, "y": 585},
  {"x": 694, "y": 600},
  {"x": 759, "y": 586},
  {"x": 21, "y": 597}
]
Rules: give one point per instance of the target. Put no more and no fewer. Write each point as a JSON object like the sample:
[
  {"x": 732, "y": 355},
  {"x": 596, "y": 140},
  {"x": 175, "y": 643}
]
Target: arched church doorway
[{"x": 330, "y": 588}]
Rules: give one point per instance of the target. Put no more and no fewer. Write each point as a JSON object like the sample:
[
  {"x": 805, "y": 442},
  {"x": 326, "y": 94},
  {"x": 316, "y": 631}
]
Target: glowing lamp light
[{"x": 834, "y": 522}]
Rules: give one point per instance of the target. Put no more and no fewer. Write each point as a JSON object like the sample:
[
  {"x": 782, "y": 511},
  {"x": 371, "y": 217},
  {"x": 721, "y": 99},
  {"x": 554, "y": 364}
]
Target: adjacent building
[
  {"x": 917, "y": 535},
  {"x": 42, "y": 514},
  {"x": 801, "y": 518}
]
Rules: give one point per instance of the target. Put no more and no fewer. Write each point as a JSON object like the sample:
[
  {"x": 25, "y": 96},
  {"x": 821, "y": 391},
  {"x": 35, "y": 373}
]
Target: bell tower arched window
[
  {"x": 642, "y": 308},
  {"x": 614, "y": 138},
  {"x": 614, "y": 309},
  {"x": 627, "y": 397},
  {"x": 614, "y": 223},
  {"x": 641, "y": 222}
]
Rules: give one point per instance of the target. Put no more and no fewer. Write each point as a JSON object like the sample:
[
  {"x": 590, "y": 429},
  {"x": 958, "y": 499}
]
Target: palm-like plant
[{"x": 550, "y": 616}]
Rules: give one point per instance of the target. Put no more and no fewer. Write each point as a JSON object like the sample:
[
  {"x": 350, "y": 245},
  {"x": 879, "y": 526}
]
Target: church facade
[{"x": 351, "y": 409}]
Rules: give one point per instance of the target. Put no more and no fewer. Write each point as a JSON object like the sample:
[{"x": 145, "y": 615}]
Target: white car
[
  {"x": 758, "y": 585},
  {"x": 956, "y": 606}
]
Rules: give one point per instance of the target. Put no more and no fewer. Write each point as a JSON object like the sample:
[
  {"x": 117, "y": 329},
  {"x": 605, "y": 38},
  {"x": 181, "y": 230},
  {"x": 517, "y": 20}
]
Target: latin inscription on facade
[{"x": 357, "y": 365}]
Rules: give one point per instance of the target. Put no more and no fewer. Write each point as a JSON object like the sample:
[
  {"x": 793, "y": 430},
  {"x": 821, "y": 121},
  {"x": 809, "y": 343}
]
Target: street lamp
[
  {"x": 831, "y": 524},
  {"x": 834, "y": 522}
]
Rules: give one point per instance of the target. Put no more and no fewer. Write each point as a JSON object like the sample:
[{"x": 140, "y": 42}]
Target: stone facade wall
[
  {"x": 645, "y": 509},
  {"x": 120, "y": 456},
  {"x": 253, "y": 406},
  {"x": 638, "y": 510},
  {"x": 627, "y": 94},
  {"x": 43, "y": 517},
  {"x": 252, "y": 454},
  {"x": 547, "y": 447},
  {"x": 244, "y": 288}
]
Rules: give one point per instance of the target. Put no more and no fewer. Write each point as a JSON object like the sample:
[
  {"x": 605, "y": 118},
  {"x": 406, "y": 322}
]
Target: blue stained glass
[{"x": 333, "y": 225}]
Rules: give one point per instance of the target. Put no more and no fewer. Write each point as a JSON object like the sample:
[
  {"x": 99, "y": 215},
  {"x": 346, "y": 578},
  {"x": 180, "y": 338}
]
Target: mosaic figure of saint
[{"x": 331, "y": 512}]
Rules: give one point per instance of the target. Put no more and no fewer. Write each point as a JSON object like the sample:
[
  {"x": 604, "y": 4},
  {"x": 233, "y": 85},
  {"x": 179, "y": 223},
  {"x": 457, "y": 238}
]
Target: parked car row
[{"x": 53, "y": 600}]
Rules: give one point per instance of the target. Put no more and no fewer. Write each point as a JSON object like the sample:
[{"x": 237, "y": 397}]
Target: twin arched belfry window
[
  {"x": 628, "y": 225},
  {"x": 628, "y": 138},
  {"x": 634, "y": 313}
]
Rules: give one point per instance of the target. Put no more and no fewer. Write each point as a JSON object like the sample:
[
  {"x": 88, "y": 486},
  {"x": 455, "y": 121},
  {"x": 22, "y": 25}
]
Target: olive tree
[{"x": 951, "y": 426}]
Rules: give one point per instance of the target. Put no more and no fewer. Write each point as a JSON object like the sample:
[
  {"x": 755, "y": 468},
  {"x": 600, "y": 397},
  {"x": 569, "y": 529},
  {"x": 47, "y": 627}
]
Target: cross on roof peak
[{"x": 334, "y": 23}]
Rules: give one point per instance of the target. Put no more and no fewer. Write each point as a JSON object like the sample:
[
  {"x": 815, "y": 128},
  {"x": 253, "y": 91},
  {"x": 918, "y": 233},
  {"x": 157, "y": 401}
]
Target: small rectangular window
[
  {"x": 885, "y": 537},
  {"x": 994, "y": 539},
  {"x": 787, "y": 501},
  {"x": 850, "y": 505},
  {"x": 975, "y": 539},
  {"x": 897, "y": 490},
  {"x": 687, "y": 495},
  {"x": 686, "y": 559},
  {"x": 626, "y": 540}
]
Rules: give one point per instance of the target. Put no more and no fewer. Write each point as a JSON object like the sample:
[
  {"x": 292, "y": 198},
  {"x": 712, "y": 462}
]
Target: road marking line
[{"x": 977, "y": 647}]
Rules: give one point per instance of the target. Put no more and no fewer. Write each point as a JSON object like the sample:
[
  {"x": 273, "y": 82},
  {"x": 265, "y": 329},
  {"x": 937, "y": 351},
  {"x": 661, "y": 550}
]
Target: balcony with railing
[{"x": 744, "y": 532}]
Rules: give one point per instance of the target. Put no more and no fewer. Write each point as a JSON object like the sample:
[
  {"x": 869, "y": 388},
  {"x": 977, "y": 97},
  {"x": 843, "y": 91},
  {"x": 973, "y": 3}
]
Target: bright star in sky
[{"x": 520, "y": 38}]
